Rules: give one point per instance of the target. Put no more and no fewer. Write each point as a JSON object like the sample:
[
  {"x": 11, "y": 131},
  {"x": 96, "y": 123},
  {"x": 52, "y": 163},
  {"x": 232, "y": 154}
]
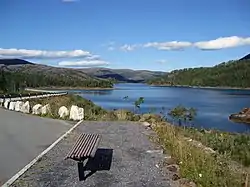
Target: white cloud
[
  {"x": 173, "y": 45},
  {"x": 26, "y": 53},
  {"x": 161, "y": 61},
  {"x": 127, "y": 47},
  {"x": 76, "y": 58},
  {"x": 216, "y": 44},
  {"x": 84, "y": 63},
  {"x": 222, "y": 43}
]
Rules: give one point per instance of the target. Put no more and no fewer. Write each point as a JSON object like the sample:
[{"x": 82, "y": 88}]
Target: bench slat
[
  {"x": 81, "y": 144},
  {"x": 94, "y": 148},
  {"x": 88, "y": 151},
  {"x": 75, "y": 145},
  {"x": 84, "y": 147}
]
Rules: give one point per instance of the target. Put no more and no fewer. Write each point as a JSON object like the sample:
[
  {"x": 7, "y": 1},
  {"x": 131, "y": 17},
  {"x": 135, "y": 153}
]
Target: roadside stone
[
  {"x": 173, "y": 168},
  {"x": 18, "y": 105},
  {"x": 12, "y": 105},
  {"x": 76, "y": 113},
  {"x": 37, "y": 109},
  {"x": 63, "y": 112},
  {"x": 45, "y": 109},
  {"x": 186, "y": 183},
  {"x": 25, "y": 107},
  {"x": 6, "y": 104},
  {"x": 81, "y": 113},
  {"x": 146, "y": 124}
]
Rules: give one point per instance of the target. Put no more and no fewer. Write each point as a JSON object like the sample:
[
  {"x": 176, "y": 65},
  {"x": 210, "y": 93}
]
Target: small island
[{"x": 243, "y": 116}]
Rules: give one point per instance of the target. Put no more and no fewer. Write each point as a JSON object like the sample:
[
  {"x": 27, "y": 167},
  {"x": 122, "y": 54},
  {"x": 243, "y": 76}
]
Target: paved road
[{"x": 23, "y": 137}]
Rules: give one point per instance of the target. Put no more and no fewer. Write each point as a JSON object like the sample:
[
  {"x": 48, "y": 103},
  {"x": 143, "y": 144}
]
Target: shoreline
[
  {"x": 68, "y": 88},
  {"x": 200, "y": 87}
]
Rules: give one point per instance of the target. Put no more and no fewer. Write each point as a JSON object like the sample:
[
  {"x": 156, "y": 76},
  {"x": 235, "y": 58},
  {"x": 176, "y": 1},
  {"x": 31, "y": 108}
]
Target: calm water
[{"x": 213, "y": 105}]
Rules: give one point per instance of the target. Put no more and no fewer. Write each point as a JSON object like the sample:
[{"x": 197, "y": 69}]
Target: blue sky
[{"x": 136, "y": 34}]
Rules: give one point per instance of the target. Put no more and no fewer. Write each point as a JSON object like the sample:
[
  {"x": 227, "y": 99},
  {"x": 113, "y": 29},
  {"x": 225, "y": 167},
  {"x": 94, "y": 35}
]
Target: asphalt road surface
[{"x": 23, "y": 137}]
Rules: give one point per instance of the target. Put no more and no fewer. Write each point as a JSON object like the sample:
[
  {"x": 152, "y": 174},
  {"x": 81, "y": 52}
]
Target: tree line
[
  {"x": 226, "y": 74},
  {"x": 17, "y": 81}
]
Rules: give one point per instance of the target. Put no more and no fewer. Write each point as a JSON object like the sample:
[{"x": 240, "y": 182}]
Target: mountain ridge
[{"x": 123, "y": 75}]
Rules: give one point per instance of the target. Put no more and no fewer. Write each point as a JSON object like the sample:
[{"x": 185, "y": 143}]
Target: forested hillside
[
  {"x": 15, "y": 77},
  {"x": 229, "y": 74},
  {"x": 123, "y": 75}
]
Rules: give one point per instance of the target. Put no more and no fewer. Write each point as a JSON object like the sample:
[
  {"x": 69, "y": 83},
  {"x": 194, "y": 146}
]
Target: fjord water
[{"x": 213, "y": 105}]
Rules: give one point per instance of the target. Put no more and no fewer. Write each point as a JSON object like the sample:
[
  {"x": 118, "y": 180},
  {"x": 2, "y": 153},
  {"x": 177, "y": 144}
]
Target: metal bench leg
[{"x": 81, "y": 169}]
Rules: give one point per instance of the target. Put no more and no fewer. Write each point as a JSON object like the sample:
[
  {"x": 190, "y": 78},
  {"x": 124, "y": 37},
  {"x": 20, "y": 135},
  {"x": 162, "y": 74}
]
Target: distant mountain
[
  {"x": 247, "y": 57},
  {"x": 38, "y": 75},
  {"x": 123, "y": 75},
  {"x": 13, "y": 62}
]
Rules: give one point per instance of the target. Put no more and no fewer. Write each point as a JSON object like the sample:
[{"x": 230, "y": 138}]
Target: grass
[
  {"x": 205, "y": 169},
  {"x": 235, "y": 145}
]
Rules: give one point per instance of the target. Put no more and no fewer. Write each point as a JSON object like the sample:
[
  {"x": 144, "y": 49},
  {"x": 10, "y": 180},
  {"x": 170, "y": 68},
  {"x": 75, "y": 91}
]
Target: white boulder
[
  {"x": 63, "y": 112},
  {"x": 76, "y": 113},
  {"x": 81, "y": 113},
  {"x": 25, "y": 107},
  {"x": 6, "y": 103},
  {"x": 18, "y": 105},
  {"x": 45, "y": 109},
  {"x": 37, "y": 109},
  {"x": 12, "y": 105}
]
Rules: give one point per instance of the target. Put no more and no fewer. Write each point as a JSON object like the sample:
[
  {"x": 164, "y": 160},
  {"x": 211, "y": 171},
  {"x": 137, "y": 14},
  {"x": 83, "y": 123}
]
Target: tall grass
[
  {"x": 206, "y": 169},
  {"x": 235, "y": 145}
]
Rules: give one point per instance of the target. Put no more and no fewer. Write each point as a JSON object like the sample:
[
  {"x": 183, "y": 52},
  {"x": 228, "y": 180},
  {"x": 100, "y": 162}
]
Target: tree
[
  {"x": 230, "y": 74},
  {"x": 183, "y": 114},
  {"x": 3, "y": 82},
  {"x": 138, "y": 102}
]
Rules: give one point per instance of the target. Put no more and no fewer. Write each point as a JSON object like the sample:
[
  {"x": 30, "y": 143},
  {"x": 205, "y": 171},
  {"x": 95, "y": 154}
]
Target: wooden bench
[{"x": 85, "y": 147}]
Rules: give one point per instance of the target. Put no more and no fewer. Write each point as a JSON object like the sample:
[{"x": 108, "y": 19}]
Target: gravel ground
[{"x": 126, "y": 144}]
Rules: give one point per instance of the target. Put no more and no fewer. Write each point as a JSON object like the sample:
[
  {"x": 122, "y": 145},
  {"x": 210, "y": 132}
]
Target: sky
[{"x": 136, "y": 34}]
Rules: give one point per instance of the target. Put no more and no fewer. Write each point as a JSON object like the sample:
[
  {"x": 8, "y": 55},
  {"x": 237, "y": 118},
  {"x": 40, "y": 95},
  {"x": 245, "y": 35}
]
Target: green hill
[
  {"x": 17, "y": 74},
  {"x": 227, "y": 74},
  {"x": 123, "y": 75}
]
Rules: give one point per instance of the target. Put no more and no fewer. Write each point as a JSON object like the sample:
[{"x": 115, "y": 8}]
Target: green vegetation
[
  {"x": 234, "y": 145},
  {"x": 183, "y": 114},
  {"x": 204, "y": 168},
  {"x": 11, "y": 81},
  {"x": 230, "y": 74},
  {"x": 226, "y": 164}
]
